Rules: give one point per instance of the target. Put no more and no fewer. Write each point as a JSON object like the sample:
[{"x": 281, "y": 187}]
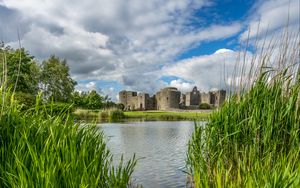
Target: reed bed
[
  {"x": 116, "y": 115},
  {"x": 253, "y": 140},
  {"x": 41, "y": 149},
  {"x": 110, "y": 115}
]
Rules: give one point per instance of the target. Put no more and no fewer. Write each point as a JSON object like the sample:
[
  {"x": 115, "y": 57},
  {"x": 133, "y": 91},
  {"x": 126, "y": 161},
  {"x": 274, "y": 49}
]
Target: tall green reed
[
  {"x": 42, "y": 147},
  {"x": 253, "y": 140},
  {"x": 38, "y": 149}
]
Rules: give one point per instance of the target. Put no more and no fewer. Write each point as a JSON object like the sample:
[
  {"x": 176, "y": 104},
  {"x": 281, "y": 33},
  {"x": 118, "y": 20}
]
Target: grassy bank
[
  {"x": 112, "y": 115},
  {"x": 42, "y": 149},
  {"x": 254, "y": 139},
  {"x": 99, "y": 115},
  {"x": 164, "y": 115}
]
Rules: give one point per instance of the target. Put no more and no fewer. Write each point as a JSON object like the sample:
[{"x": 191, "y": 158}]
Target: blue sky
[{"x": 112, "y": 45}]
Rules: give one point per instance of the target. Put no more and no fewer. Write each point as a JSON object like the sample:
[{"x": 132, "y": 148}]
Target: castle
[{"x": 170, "y": 98}]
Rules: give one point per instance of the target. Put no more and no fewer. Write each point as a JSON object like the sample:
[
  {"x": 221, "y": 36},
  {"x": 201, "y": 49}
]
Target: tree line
[{"x": 26, "y": 77}]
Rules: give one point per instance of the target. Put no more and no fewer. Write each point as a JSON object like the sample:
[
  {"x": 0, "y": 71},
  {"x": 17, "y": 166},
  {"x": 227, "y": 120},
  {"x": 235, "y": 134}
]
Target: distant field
[
  {"x": 168, "y": 115},
  {"x": 155, "y": 115}
]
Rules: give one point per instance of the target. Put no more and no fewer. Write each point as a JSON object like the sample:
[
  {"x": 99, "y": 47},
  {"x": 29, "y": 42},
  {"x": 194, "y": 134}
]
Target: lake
[{"x": 162, "y": 146}]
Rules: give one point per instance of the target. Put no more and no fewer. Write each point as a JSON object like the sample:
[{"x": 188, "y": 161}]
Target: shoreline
[
  {"x": 180, "y": 115},
  {"x": 171, "y": 115}
]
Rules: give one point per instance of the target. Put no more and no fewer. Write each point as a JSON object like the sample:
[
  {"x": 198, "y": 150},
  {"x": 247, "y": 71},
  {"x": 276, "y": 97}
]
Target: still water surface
[{"x": 162, "y": 146}]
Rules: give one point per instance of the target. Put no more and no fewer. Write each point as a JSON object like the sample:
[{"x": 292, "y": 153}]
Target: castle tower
[
  {"x": 129, "y": 99},
  {"x": 168, "y": 98}
]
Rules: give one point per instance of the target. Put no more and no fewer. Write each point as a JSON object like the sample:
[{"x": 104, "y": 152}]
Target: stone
[{"x": 170, "y": 98}]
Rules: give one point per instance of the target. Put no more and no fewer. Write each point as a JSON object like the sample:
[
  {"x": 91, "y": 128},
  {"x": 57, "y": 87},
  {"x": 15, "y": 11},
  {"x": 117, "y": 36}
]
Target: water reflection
[{"x": 161, "y": 144}]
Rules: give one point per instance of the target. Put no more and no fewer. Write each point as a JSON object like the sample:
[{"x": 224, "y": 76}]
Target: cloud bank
[{"x": 134, "y": 43}]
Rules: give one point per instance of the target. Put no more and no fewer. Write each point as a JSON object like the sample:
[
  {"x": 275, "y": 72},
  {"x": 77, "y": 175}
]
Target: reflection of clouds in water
[{"x": 162, "y": 143}]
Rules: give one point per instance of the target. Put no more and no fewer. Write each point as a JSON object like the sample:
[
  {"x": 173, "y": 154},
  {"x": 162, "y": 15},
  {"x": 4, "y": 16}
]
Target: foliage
[
  {"x": 93, "y": 100},
  {"x": 79, "y": 99},
  {"x": 38, "y": 149},
  {"x": 56, "y": 108},
  {"x": 26, "y": 100},
  {"x": 106, "y": 115},
  {"x": 120, "y": 106},
  {"x": 253, "y": 139},
  {"x": 56, "y": 82},
  {"x": 26, "y": 76},
  {"x": 116, "y": 115},
  {"x": 163, "y": 115},
  {"x": 204, "y": 106},
  {"x": 90, "y": 100},
  {"x": 107, "y": 103},
  {"x": 20, "y": 73}
]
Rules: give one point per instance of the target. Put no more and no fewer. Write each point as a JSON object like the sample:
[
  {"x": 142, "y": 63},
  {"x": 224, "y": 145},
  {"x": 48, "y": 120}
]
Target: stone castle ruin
[{"x": 170, "y": 98}]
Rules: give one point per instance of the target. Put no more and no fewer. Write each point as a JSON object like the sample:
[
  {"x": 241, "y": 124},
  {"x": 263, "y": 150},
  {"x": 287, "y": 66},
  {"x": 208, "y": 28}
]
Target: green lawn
[
  {"x": 150, "y": 115},
  {"x": 167, "y": 115}
]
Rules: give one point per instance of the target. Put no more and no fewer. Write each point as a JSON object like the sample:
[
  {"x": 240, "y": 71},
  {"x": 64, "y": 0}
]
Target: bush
[
  {"x": 116, "y": 115},
  {"x": 104, "y": 115},
  {"x": 26, "y": 100},
  {"x": 120, "y": 106},
  {"x": 204, "y": 106}
]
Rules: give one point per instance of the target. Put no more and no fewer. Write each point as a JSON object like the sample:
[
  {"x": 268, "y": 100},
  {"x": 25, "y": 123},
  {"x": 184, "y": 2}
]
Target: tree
[
  {"x": 79, "y": 99},
  {"x": 20, "y": 70},
  {"x": 56, "y": 81},
  {"x": 94, "y": 100},
  {"x": 20, "y": 73},
  {"x": 90, "y": 100}
]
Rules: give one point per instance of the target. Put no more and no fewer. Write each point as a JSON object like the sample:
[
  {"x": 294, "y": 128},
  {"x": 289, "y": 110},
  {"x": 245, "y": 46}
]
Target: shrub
[
  {"x": 25, "y": 99},
  {"x": 120, "y": 106},
  {"x": 116, "y": 115},
  {"x": 204, "y": 106},
  {"x": 104, "y": 115}
]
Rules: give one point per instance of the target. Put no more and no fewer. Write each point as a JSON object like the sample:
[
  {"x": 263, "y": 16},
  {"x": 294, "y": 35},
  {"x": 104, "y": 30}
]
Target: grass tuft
[
  {"x": 41, "y": 147},
  {"x": 253, "y": 140}
]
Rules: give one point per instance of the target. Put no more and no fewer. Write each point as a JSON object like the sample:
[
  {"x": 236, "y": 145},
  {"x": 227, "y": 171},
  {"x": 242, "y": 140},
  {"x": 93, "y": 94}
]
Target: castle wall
[
  {"x": 214, "y": 98},
  {"x": 188, "y": 99},
  {"x": 168, "y": 98},
  {"x": 151, "y": 103},
  {"x": 182, "y": 101},
  {"x": 193, "y": 98},
  {"x": 129, "y": 99},
  {"x": 123, "y": 97},
  {"x": 205, "y": 98},
  {"x": 142, "y": 101},
  {"x": 220, "y": 97}
]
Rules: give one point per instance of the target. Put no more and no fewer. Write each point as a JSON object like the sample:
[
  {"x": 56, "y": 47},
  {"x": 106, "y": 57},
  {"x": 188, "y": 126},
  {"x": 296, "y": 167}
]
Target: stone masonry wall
[{"x": 170, "y": 98}]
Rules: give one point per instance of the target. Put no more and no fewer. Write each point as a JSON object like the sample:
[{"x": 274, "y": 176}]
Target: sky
[{"x": 112, "y": 45}]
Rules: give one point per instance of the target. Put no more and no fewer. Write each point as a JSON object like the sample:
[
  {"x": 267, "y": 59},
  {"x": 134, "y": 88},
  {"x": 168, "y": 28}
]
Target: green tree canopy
[
  {"x": 94, "y": 100},
  {"x": 89, "y": 100},
  {"x": 56, "y": 81},
  {"x": 19, "y": 70}
]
